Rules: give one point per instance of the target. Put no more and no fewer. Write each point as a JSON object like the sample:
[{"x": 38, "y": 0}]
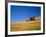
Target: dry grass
[{"x": 22, "y": 26}]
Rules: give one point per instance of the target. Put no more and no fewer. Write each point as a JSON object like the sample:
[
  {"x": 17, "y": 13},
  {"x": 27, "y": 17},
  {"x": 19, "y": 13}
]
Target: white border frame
[{"x": 24, "y": 32}]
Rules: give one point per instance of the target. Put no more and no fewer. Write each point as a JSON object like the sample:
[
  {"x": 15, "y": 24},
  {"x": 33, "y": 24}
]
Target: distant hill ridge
[{"x": 31, "y": 19}]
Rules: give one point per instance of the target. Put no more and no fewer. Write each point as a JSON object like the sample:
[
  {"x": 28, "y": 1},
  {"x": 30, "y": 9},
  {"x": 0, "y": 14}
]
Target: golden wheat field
[{"x": 24, "y": 26}]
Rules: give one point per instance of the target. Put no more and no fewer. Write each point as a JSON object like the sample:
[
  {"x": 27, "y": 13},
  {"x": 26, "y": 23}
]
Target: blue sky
[{"x": 20, "y": 13}]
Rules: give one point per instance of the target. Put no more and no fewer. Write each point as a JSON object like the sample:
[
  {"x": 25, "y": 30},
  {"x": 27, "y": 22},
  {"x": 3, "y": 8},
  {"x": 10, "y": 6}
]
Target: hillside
[
  {"x": 32, "y": 24},
  {"x": 22, "y": 26}
]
